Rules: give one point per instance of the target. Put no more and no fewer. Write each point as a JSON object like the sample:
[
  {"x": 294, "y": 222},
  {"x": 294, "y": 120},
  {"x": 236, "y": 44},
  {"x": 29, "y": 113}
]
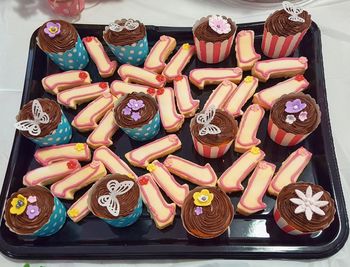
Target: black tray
[{"x": 252, "y": 237}]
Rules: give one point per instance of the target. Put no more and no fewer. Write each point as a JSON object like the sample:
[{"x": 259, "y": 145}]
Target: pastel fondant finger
[
  {"x": 245, "y": 51},
  {"x": 220, "y": 95},
  {"x": 79, "y": 210},
  {"x": 120, "y": 88},
  {"x": 184, "y": 100},
  {"x": 190, "y": 171}
]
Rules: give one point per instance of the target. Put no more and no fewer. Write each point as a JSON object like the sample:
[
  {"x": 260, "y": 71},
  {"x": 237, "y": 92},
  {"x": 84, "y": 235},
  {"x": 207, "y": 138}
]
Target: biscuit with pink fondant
[
  {"x": 79, "y": 209},
  {"x": 245, "y": 51},
  {"x": 120, "y": 88},
  {"x": 220, "y": 95},
  {"x": 184, "y": 100}
]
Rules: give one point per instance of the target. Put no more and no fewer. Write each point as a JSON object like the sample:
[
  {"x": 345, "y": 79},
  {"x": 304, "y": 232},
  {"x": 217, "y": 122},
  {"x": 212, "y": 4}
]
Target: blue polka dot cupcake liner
[
  {"x": 75, "y": 58},
  {"x": 61, "y": 135},
  {"x": 134, "y": 54},
  {"x": 146, "y": 132},
  {"x": 55, "y": 222},
  {"x": 128, "y": 220}
]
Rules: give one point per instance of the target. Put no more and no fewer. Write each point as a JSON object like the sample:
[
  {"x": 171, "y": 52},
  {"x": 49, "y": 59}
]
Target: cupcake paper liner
[
  {"x": 275, "y": 46},
  {"x": 209, "y": 52},
  {"x": 61, "y": 135},
  {"x": 211, "y": 151},
  {"x": 134, "y": 54}
]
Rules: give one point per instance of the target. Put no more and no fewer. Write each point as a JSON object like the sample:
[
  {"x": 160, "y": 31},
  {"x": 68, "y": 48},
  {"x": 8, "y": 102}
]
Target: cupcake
[
  {"x": 303, "y": 208},
  {"x": 213, "y": 132},
  {"x": 284, "y": 30},
  {"x": 213, "y": 37},
  {"x": 292, "y": 118},
  {"x": 207, "y": 212},
  {"x": 61, "y": 42},
  {"x": 127, "y": 38},
  {"x": 137, "y": 114},
  {"x": 34, "y": 211},
  {"x": 116, "y": 199}
]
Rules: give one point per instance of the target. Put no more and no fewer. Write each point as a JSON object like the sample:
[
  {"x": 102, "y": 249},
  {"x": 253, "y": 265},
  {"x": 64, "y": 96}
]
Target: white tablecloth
[{"x": 19, "y": 18}]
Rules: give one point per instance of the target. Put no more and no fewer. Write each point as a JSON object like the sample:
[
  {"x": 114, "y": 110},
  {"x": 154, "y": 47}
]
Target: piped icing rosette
[{"x": 207, "y": 212}]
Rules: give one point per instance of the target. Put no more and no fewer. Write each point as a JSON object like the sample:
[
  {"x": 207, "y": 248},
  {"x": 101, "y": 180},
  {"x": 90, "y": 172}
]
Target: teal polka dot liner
[
  {"x": 61, "y": 135},
  {"x": 128, "y": 220},
  {"x": 56, "y": 220},
  {"x": 73, "y": 59},
  {"x": 146, "y": 132},
  {"x": 134, "y": 54}
]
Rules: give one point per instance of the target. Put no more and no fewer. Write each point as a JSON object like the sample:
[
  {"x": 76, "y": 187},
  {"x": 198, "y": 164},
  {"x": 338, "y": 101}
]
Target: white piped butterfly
[
  {"x": 293, "y": 10},
  {"x": 115, "y": 189},
  {"x": 32, "y": 126},
  {"x": 205, "y": 119},
  {"x": 130, "y": 25}
]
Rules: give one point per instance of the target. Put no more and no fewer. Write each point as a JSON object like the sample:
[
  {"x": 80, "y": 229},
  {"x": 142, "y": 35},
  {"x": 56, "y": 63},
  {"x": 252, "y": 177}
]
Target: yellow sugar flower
[
  {"x": 79, "y": 147},
  {"x": 73, "y": 213},
  {"x": 151, "y": 167},
  {"x": 130, "y": 175},
  {"x": 248, "y": 79},
  {"x": 19, "y": 205},
  {"x": 186, "y": 46},
  {"x": 203, "y": 198},
  {"x": 255, "y": 150}
]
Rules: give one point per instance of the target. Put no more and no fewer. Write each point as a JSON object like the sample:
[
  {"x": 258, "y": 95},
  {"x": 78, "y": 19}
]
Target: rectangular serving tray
[{"x": 253, "y": 237}]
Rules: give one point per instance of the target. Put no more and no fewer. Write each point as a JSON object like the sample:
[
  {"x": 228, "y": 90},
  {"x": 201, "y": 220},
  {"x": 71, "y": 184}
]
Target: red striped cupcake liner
[{"x": 212, "y": 152}]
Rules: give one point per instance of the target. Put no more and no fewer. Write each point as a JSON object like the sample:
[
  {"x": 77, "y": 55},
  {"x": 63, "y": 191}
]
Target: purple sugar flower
[
  {"x": 32, "y": 211},
  {"x": 135, "y": 116},
  {"x": 52, "y": 29},
  {"x": 198, "y": 210},
  {"x": 135, "y": 104},
  {"x": 126, "y": 111},
  {"x": 294, "y": 106}
]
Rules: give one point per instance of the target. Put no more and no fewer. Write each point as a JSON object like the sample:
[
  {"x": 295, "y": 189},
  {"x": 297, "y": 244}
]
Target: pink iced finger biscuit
[
  {"x": 179, "y": 61},
  {"x": 290, "y": 170},
  {"x": 171, "y": 120},
  {"x": 268, "y": 96},
  {"x": 88, "y": 174},
  {"x": 231, "y": 179},
  {"x": 129, "y": 73},
  {"x": 202, "y": 77},
  {"x": 142, "y": 156},
  {"x": 240, "y": 96},
  {"x": 105, "y": 66},
  {"x": 245, "y": 51},
  {"x": 102, "y": 134},
  {"x": 184, "y": 100},
  {"x": 120, "y": 88},
  {"x": 87, "y": 119},
  {"x": 161, "y": 212},
  {"x": 159, "y": 53},
  {"x": 175, "y": 191},
  {"x": 248, "y": 128},
  {"x": 55, "y": 83},
  {"x": 189, "y": 171},
  {"x": 51, "y": 173},
  {"x": 77, "y": 151},
  {"x": 79, "y": 210},
  {"x": 112, "y": 162},
  {"x": 252, "y": 198},
  {"x": 279, "y": 67},
  {"x": 82, "y": 94},
  {"x": 220, "y": 95}
]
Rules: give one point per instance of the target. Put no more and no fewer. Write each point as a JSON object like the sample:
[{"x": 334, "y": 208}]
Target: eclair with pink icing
[
  {"x": 220, "y": 95},
  {"x": 184, "y": 100},
  {"x": 245, "y": 51},
  {"x": 79, "y": 209},
  {"x": 120, "y": 88}
]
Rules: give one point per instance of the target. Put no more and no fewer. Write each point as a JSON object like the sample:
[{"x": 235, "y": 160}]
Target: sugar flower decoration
[
  {"x": 290, "y": 119},
  {"x": 205, "y": 118},
  {"x": 79, "y": 147},
  {"x": 52, "y": 29},
  {"x": 32, "y": 211},
  {"x": 248, "y": 79},
  {"x": 126, "y": 111},
  {"x": 18, "y": 205},
  {"x": 294, "y": 106},
  {"x": 198, "y": 210},
  {"x": 73, "y": 213},
  {"x": 203, "y": 198},
  {"x": 143, "y": 181},
  {"x": 302, "y": 116},
  {"x": 219, "y": 25},
  {"x": 309, "y": 203},
  {"x": 151, "y": 167},
  {"x": 136, "y": 116},
  {"x": 255, "y": 150},
  {"x": 132, "y": 106},
  {"x": 293, "y": 11},
  {"x": 32, "y": 199},
  {"x": 135, "y": 104}
]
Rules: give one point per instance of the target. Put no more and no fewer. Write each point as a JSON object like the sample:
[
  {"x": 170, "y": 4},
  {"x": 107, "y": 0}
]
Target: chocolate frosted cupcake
[
  {"x": 116, "y": 199},
  {"x": 43, "y": 122},
  {"x": 284, "y": 29},
  {"x": 292, "y": 118},
  {"x": 61, "y": 42},
  {"x": 127, "y": 38},
  {"x": 137, "y": 115},
  {"x": 207, "y": 212},
  {"x": 303, "y": 208},
  {"x": 213, "y": 132},
  {"x": 34, "y": 211},
  {"x": 213, "y": 38}
]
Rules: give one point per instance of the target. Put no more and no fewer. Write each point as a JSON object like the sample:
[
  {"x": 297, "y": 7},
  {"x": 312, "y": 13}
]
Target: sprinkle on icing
[
  {"x": 132, "y": 108},
  {"x": 18, "y": 205},
  {"x": 302, "y": 116},
  {"x": 255, "y": 150},
  {"x": 32, "y": 211},
  {"x": 79, "y": 147},
  {"x": 294, "y": 106},
  {"x": 73, "y": 212},
  {"x": 219, "y": 24},
  {"x": 198, "y": 210},
  {"x": 143, "y": 181},
  {"x": 248, "y": 79},
  {"x": 290, "y": 119},
  {"x": 203, "y": 198},
  {"x": 52, "y": 29},
  {"x": 151, "y": 167}
]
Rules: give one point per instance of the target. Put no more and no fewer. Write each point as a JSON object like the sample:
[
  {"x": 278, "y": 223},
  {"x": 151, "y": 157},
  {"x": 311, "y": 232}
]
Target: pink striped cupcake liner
[{"x": 212, "y": 152}]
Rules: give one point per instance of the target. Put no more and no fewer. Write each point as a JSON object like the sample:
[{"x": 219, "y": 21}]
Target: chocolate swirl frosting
[
  {"x": 124, "y": 37},
  {"x": 21, "y": 224},
  {"x": 204, "y": 32},
  {"x": 147, "y": 113},
  {"x": 50, "y": 107},
  {"x": 62, "y": 42},
  {"x": 127, "y": 201},
  {"x": 278, "y": 114},
  {"x": 227, "y": 124},
  {"x": 215, "y": 218},
  {"x": 279, "y": 24},
  {"x": 299, "y": 221}
]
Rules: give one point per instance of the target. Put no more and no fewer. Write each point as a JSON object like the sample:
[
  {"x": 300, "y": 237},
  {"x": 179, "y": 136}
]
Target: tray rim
[{"x": 216, "y": 251}]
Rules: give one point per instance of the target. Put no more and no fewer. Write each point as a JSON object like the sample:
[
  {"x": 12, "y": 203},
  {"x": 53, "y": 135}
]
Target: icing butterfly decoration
[
  {"x": 32, "y": 126},
  {"x": 293, "y": 10},
  {"x": 205, "y": 119},
  {"x": 130, "y": 25},
  {"x": 115, "y": 189}
]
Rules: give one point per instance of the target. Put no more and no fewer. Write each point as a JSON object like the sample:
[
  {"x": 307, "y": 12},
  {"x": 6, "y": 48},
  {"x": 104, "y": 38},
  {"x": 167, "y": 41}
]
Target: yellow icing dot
[
  {"x": 203, "y": 198},
  {"x": 186, "y": 46},
  {"x": 18, "y": 205},
  {"x": 79, "y": 147},
  {"x": 255, "y": 150},
  {"x": 130, "y": 175},
  {"x": 248, "y": 79},
  {"x": 151, "y": 167},
  {"x": 73, "y": 213}
]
